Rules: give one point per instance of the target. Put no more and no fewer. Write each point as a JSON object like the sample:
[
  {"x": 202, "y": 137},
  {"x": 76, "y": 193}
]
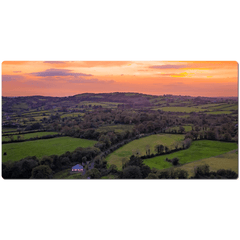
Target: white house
[{"x": 77, "y": 168}]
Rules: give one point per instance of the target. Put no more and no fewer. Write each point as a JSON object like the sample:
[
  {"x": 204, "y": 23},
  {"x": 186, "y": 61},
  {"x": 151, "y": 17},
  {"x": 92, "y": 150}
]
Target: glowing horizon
[{"x": 67, "y": 78}]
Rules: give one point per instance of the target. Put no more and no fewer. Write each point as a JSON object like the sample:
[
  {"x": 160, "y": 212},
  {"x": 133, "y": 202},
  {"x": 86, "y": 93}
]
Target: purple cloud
[
  {"x": 7, "y": 78},
  {"x": 53, "y": 72},
  {"x": 17, "y": 71},
  {"x": 168, "y": 66}
]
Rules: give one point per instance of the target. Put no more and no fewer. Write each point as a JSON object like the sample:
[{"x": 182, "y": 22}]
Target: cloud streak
[
  {"x": 8, "y": 78},
  {"x": 53, "y": 72}
]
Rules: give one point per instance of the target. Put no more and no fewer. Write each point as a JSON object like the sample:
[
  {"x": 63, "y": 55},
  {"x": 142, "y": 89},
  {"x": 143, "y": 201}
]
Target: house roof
[{"x": 78, "y": 166}]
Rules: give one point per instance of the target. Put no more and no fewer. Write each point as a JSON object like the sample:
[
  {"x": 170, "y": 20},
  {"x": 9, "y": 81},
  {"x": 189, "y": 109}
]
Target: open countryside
[
  {"x": 164, "y": 127},
  {"x": 198, "y": 150},
  {"x": 46, "y": 147},
  {"x": 140, "y": 146}
]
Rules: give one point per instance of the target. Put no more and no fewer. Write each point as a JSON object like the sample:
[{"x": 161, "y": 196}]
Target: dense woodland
[{"x": 113, "y": 120}]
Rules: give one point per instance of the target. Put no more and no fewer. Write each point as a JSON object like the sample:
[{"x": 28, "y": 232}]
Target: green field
[
  {"x": 5, "y": 130},
  {"x": 117, "y": 128},
  {"x": 198, "y": 150},
  {"x": 29, "y": 135},
  {"x": 140, "y": 144},
  {"x": 43, "y": 147},
  {"x": 103, "y": 104},
  {"x": 181, "y": 109},
  {"x": 224, "y": 161},
  {"x": 72, "y": 114}
]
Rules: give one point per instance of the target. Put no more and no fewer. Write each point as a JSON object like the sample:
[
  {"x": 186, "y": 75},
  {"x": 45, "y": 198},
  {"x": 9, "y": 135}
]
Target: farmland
[
  {"x": 28, "y": 135},
  {"x": 117, "y": 122},
  {"x": 198, "y": 150},
  {"x": 226, "y": 161},
  {"x": 140, "y": 145},
  {"x": 40, "y": 148}
]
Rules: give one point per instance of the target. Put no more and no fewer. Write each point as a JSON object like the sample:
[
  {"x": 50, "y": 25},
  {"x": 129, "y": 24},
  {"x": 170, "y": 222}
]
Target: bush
[
  {"x": 42, "y": 172},
  {"x": 175, "y": 161},
  {"x": 202, "y": 170},
  {"x": 152, "y": 176}
]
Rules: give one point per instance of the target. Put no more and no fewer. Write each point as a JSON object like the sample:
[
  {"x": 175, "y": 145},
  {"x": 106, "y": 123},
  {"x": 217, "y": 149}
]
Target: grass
[
  {"x": 224, "y": 161},
  {"x": 29, "y": 135},
  {"x": 5, "y": 130},
  {"x": 198, "y": 150},
  {"x": 72, "y": 114},
  {"x": 43, "y": 147},
  {"x": 127, "y": 150},
  {"x": 117, "y": 128}
]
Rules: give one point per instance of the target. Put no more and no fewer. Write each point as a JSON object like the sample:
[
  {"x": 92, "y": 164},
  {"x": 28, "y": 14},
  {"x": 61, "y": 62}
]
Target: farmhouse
[{"x": 77, "y": 168}]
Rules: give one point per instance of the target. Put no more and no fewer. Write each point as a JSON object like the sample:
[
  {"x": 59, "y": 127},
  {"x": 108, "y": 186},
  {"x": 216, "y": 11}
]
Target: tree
[
  {"x": 175, "y": 161},
  {"x": 132, "y": 172},
  {"x": 147, "y": 149},
  {"x": 152, "y": 176},
  {"x": 145, "y": 170},
  {"x": 166, "y": 148},
  {"x": 93, "y": 173},
  {"x": 42, "y": 172},
  {"x": 181, "y": 129},
  {"x": 159, "y": 148}
]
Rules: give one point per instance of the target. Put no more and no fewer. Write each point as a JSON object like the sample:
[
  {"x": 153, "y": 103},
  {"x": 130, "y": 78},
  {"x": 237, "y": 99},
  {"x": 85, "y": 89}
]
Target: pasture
[
  {"x": 43, "y": 147},
  {"x": 224, "y": 161},
  {"x": 28, "y": 135},
  {"x": 198, "y": 150},
  {"x": 140, "y": 145}
]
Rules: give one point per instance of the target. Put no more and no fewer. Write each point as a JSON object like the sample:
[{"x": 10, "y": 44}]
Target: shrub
[{"x": 175, "y": 161}]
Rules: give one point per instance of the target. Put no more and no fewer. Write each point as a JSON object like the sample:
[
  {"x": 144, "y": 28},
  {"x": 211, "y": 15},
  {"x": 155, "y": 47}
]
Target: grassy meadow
[
  {"x": 28, "y": 135},
  {"x": 43, "y": 147},
  {"x": 140, "y": 144},
  {"x": 198, "y": 150},
  {"x": 226, "y": 161}
]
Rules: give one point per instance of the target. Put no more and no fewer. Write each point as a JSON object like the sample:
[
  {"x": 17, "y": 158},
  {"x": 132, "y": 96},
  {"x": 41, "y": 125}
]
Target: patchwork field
[
  {"x": 224, "y": 161},
  {"x": 140, "y": 144},
  {"x": 45, "y": 147},
  {"x": 28, "y": 135},
  {"x": 197, "y": 151}
]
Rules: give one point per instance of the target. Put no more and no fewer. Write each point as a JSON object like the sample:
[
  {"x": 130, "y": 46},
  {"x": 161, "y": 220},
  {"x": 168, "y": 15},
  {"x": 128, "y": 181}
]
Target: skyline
[{"x": 67, "y": 78}]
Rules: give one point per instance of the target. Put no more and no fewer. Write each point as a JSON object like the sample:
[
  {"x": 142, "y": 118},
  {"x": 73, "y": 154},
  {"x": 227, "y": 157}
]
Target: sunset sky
[{"x": 66, "y": 78}]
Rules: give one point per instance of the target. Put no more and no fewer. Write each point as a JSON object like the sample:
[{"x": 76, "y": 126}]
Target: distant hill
[{"x": 135, "y": 100}]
